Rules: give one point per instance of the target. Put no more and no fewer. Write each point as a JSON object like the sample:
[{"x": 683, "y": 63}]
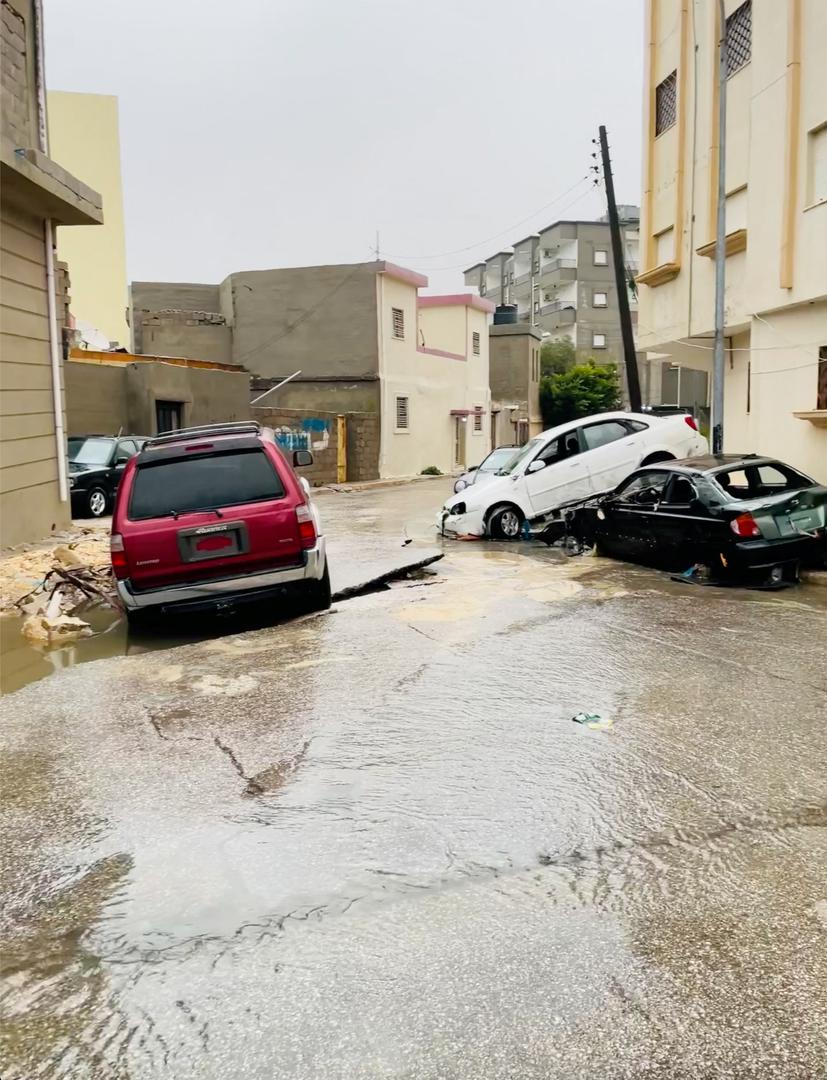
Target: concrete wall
[
  {"x": 195, "y": 335},
  {"x": 105, "y": 397},
  {"x": 84, "y": 138},
  {"x": 318, "y": 432},
  {"x": 29, "y": 501},
  {"x": 152, "y": 297},
  {"x": 327, "y": 395},
  {"x": 19, "y": 107},
  {"x": 317, "y": 319}
]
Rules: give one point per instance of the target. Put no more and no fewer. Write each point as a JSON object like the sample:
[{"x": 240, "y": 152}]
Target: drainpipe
[{"x": 48, "y": 240}]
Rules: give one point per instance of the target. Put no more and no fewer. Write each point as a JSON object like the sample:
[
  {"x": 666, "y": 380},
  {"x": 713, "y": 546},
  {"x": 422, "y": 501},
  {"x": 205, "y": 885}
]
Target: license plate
[
  {"x": 218, "y": 541},
  {"x": 806, "y": 520}
]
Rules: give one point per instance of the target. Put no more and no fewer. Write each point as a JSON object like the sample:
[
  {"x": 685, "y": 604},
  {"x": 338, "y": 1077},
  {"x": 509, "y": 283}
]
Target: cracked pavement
[{"x": 373, "y": 844}]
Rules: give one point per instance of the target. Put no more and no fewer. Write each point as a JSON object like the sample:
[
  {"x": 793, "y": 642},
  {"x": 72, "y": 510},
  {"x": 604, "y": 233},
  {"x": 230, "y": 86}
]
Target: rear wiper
[{"x": 175, "y": 514}]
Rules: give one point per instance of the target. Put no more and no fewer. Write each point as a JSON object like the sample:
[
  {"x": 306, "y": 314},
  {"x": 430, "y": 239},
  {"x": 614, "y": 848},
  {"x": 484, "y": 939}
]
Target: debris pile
[{"x": 66, "y": 584}]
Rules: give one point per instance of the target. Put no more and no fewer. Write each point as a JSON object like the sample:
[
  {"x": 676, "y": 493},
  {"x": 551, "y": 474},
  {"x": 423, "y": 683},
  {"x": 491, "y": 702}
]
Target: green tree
[
  {"x": 557, "y": 356},
  {"x": 581, "y": 391}
]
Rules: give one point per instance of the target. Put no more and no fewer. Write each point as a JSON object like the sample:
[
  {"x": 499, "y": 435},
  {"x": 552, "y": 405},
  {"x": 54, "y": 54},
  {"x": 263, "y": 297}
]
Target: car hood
[
  {"x": 77, "y": 467},
  {"x": 480, "y": 494}
]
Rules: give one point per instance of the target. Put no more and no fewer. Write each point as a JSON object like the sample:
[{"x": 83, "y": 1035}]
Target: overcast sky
[{"x": 260, "y": 133}]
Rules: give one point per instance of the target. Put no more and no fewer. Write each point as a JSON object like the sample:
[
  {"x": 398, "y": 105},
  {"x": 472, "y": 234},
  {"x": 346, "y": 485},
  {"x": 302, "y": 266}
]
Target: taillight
[
  {"x": 745, "y": 526},
  {"x": 120, "y": 567},
  {"x": 692, "y": 422},
  {"x": 307, "y": 529}
]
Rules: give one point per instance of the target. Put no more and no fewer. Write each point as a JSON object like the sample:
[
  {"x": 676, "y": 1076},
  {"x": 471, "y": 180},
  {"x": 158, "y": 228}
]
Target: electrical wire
[
  {"x": 305, "y": 314},
  {"x": 502, "y": 232}
]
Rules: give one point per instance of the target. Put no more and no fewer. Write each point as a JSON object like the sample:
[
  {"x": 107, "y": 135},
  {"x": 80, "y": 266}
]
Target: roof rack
[{"x": 234, "y": 427}]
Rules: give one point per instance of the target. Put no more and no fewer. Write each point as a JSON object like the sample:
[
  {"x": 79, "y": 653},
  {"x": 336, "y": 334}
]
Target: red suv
[{"x": 208, "y": 518}]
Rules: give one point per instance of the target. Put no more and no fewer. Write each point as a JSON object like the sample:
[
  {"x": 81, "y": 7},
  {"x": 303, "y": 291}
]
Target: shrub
[{"x": 581, "y": 391}]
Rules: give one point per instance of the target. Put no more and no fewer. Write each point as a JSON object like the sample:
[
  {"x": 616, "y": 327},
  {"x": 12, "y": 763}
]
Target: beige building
[
  {"x": 776, "y": 214},
  {"x": 514, "y": 362},
  {"x": 84, "y": 138},
  {"x": 36, "y": 195}
]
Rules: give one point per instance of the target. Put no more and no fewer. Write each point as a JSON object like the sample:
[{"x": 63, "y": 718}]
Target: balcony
[
  {"x": 559, "y": 270},
  {"x": 558, "y": 313}
]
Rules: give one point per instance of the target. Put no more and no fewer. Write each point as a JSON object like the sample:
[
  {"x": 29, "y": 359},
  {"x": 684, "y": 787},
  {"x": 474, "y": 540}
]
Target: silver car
[{"x": 478, "y": 474}]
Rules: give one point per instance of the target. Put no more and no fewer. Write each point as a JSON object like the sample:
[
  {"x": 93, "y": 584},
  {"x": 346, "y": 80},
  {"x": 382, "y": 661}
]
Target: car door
[
  {"x": 611, "y": 451},
  {"x": 123, "y": 452},
  {"x": 557, "y": 474},
  {"x": 625, "y": 527},
  {"x": 681, "y": 525}
]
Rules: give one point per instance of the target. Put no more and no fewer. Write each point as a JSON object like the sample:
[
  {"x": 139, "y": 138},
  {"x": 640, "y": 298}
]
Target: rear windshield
[
  {"x": 203, "y": 483},
  {"x": 746, "y": 482}
]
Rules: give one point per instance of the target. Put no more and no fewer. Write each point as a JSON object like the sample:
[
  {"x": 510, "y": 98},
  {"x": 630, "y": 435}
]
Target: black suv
[{"x": 96, "y": 465}]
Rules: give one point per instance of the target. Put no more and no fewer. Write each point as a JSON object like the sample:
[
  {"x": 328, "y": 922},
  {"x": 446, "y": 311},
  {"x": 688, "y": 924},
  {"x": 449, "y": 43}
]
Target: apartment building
[
  {"x": 561, "y": 281},
  {"x": 36, "y": 195},
  {"x": 358, "y": 338},
  {"x": 84, "y": 137},
  {"x": 776, "y": 213}
]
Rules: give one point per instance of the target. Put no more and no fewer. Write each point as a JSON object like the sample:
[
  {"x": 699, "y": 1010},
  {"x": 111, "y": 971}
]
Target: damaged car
[
  {"x": 744, "y": 518},
  {"x": 569, "y": 462},
  {"x": 488, "y": 468}
]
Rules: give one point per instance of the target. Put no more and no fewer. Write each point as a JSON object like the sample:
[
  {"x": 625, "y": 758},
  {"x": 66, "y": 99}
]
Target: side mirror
[
  {"x": 302, "y": 458},
  {"x": 472, "y": 468},
  {"x": 535, "y": 466}
]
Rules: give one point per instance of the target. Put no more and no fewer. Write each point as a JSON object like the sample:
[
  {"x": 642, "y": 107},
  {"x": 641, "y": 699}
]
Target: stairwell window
[
  {"x": 478, "y": 419},
  {"x": 598, "y": 341},
  {"x": 666, "y": 103},
  {"x": 398, "y": 324},
  {"x": 475, "y": 342},
  {"x": 739, "y": 38},
  {"x": 600, "y": 299},
  {"x": 402, "y": 414},
  {"x": 601, "y": 257}
]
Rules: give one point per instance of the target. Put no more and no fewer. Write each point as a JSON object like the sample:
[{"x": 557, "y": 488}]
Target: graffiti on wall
[{"x": 313, "y": 433}]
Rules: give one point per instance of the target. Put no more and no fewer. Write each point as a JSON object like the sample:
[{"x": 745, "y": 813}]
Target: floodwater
[{"x": 373, "y": 843}]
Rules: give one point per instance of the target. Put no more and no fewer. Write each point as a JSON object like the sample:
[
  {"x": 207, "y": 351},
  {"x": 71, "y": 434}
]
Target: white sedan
[{"x": 566, "y": 463}]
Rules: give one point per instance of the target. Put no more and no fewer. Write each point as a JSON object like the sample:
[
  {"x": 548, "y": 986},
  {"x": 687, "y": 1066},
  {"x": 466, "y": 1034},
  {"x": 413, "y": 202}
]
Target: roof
[
  {"x": 456, "y": 300},
  {"x": 401, "y": 273},
  {"x": 711, "y": 463},
  {"x": 476, "y": 266}
]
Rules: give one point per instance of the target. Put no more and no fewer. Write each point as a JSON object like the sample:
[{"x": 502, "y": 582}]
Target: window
[
  {"x": 644, "y": 489},
  {"x": 739, "y": 38},
  {"x": 756, "y": 481},
  {"x": 681, "y": 492},
  {"x": 125, "y": 451},
  {"x": 536, "y": 306},
  {"x": 402, "y": 416},
  {"x": 91, "y": 451},
  {"x": 398, "y": 319},
  {"x": 203, "y": 483},
  {"x": 600, "y": 299},
  {"x": 597, "y": 435},
  {"x": 666, "y": 103},
  {"x": 475, "y": 342},
  {"x": 478, "y": 419},
  {"x": 564, "y": 446},
  {"x": 817, "y": 166},
  {"x": 168, "y": 416},
  {"x": 821, "y": 392},
  {"x": 598, "y": 341},
  {"x": 601, "y": 257}
]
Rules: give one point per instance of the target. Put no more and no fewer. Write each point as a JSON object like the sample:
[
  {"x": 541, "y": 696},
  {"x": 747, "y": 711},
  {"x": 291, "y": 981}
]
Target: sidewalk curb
[{"x": 369, "y": 485}]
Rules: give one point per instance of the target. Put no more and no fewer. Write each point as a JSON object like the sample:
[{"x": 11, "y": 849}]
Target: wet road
[{"x": 373, "y": 844}]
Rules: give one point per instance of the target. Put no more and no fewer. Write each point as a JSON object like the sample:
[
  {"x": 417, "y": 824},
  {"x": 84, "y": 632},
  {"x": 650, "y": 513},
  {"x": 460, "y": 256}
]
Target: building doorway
[
  {"x": 460, "y": 426},
  {"x": 168, "y": 416}
]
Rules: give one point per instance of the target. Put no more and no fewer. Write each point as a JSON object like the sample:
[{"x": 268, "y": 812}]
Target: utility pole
[
  {"x": 629, "y": 355},
  {"x": 720, "y": 248}
]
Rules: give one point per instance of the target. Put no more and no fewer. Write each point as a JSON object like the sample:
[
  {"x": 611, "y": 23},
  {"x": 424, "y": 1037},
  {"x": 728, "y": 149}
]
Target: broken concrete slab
[{"x": 356, "y": 583}]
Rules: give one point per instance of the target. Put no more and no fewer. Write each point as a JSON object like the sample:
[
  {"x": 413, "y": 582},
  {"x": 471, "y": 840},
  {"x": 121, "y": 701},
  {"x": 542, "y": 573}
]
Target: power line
[
  {"x": 502, "y": 232},
  {"x": 305, "y": 314}
]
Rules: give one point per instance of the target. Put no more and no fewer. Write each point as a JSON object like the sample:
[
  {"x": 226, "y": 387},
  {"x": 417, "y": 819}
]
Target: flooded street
[{"x": 373, "y": 843}]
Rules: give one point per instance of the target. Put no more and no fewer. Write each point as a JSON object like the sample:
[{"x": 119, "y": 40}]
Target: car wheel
[
  {"x": 661, "y": 455},
  {"x": 316, "y": 594},
  {"x": 96, "y": 502},
  {"x": 505, "y": 523}
]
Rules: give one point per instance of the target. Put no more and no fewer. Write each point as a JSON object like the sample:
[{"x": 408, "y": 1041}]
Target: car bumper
[
  {"x": 764, "y": 554},
  {"x": 471, "y": 523},
  {"x": 228, "y": 591}
]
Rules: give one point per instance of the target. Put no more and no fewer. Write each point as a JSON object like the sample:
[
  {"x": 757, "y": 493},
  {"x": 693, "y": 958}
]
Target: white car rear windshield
[{"x": 203, "y": 483}]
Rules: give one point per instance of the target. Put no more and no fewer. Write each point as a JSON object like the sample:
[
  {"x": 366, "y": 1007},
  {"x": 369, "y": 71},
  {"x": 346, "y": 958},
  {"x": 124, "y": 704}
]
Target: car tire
[
  {"x": 505, "y": 523},
  {"x": 316, "y": 595},
  {"x": 653, "y": 459},
  {"x": 97, "y": 502}
]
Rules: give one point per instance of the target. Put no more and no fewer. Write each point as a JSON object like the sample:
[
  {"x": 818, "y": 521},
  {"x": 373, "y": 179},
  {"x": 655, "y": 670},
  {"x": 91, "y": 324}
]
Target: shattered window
[{"x": 646, "y": 487}]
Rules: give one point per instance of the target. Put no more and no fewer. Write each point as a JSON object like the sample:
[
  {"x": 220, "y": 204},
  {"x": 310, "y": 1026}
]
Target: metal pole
[
  {"x": 629, "y": 354},
  {"x": 718, "y": 365},
  {"x": 276, "y": 387}
]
